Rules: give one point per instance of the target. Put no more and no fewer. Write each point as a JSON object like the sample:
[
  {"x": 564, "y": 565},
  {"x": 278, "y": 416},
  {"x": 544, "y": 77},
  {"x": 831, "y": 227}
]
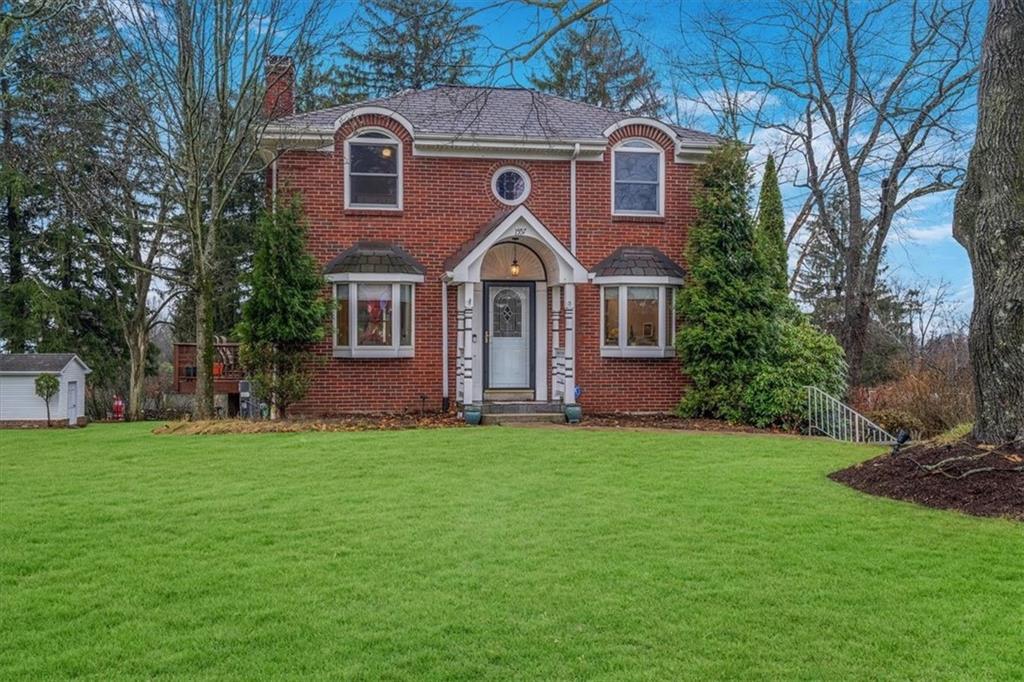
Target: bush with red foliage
[{"x": 932, "y": 394}]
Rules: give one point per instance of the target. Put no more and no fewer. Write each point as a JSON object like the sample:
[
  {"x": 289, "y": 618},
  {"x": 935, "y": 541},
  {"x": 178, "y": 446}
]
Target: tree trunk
[
  {"x": 204, "y": 347},
  {"x": 989, "y": 222},
  {"x": 138, "y": 344}
]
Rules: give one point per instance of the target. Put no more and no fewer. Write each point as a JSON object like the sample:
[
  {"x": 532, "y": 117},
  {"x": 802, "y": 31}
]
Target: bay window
[
  {"x": 638, "y": 320},
  {"x": 374, "y": 319}
]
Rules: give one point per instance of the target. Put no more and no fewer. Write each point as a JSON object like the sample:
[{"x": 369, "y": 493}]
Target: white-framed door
[
  {"x": 508, "y": 334},
  {"x": 72, "y": 402}
]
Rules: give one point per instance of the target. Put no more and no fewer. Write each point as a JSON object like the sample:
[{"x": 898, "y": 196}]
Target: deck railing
[{"x": 828, "y": 416}]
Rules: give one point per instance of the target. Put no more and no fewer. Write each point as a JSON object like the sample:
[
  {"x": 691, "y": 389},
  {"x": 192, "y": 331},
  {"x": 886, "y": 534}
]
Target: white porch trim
[{"x": 520, "y": 224}]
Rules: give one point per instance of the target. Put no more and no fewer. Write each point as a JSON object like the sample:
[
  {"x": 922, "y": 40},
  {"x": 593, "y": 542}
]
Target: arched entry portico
[{"x": 516, "y": 308}]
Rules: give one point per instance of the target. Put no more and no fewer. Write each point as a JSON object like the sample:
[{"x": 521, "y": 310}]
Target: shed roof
[{"x": 37, "y": 362}]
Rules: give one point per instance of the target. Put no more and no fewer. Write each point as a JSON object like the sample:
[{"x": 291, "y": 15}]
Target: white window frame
[
  {"x": 519, "y": 171},
  {"x": 666, "y": 287},
  {"x": 351, "y": 349},
  {"x": 359, "y": 137},
  {"x": 653, "y": 148}
]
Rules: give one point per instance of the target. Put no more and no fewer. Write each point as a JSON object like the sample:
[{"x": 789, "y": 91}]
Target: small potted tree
[{"x": 47, "y": 386}]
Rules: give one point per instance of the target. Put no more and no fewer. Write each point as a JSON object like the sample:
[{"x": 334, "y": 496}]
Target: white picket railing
[{"x": 828, "y": 416}]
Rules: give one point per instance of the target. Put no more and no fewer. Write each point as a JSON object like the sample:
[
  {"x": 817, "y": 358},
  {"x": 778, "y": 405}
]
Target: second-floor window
[
  {"x": 373, "y": 171},
  {"x": 638, "y": 178}
]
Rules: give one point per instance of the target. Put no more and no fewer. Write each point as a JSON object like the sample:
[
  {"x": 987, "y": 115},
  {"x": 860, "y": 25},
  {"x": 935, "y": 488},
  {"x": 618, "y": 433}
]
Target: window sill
[
  {"x": 378, "y": 212},
  {"x": 638, "y": 352},
  {"x": 374, "y": 353},
  {"x": 637, "y": 218}
]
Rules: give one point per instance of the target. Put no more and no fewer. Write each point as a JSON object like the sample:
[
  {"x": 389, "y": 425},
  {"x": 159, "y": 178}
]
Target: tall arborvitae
[
  {"x": 729, "y": 315},
  {"x": 594, "y": 64},
  {"x": 769, "y": 235},
  {"x": 409, "y": 44}
]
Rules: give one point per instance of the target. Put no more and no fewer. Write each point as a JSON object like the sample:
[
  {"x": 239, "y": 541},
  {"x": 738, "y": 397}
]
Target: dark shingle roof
[
  {"x": 481, "y": 234},
  {"x": 490, "y": 111},
  {"x": 35, "y": 362},
  {"x": 374, "y": 257},
  {"x": 639, "y": 261}
]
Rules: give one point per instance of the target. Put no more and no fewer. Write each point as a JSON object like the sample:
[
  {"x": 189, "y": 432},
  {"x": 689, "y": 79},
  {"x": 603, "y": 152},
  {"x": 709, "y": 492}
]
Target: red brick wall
[{"x": 446, "y": 200}]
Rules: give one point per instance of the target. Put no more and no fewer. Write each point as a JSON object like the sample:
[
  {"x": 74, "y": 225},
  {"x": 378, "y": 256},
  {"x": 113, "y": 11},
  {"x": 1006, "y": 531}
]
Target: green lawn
[{"x": 486, "y": 553}]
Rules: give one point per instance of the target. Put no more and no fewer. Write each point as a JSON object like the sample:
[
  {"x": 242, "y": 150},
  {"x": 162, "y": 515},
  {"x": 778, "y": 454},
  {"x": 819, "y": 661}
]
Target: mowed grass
[{"x": 495, "y": 553}]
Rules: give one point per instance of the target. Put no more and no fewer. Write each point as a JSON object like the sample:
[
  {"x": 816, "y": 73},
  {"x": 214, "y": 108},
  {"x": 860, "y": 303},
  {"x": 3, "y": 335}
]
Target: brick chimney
[{"x": 279, "y": 99}]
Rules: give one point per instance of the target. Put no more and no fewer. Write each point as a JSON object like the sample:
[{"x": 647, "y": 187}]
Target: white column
[
  {"x": 557, "y": 362},
  {"x": 466, "y": 295},
  {"x": 570, "y": 343},
  {"x": 460, "y": 344},
  {"x": 444, "y": 339}
]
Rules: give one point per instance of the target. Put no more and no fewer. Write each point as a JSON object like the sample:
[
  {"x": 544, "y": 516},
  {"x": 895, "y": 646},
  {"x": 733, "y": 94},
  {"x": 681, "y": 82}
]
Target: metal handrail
[{"x": 835, "y": 419}]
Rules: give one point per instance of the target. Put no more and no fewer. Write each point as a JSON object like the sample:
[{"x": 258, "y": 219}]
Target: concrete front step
[
  {"x": 528, "y": 418},
  {"x": 508, "y": 394},
  {"x": 520, "y": 407}
]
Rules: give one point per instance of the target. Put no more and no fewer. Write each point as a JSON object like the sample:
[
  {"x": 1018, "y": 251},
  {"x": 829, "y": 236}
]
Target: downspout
[
  {"x": 572, "y": 198},
  {"x": 273, "y": 186},
  {"x": 444, "y": 346}
]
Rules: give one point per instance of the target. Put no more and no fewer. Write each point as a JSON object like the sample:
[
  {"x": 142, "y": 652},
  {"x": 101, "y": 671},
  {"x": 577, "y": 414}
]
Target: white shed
[{"x": 19, "y": 403}]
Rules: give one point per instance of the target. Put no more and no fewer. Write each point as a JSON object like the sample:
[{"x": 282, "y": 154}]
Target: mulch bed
[
  {"x": 350, "y": 423},
  {"x": 667, "y": 421},
  {"x": 997, "y": 490}
]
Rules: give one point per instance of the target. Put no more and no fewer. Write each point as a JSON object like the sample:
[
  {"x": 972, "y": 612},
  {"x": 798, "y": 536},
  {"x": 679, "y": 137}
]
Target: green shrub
[{"x": 804, "y": 357}]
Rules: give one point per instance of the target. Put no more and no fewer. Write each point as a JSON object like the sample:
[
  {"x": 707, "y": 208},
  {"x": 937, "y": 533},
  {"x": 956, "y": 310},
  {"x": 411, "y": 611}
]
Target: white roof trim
[
  {"x": 373, "y": 110},
  {"x": 642, "y": 121},
  {"x": 570, "y": 269},
  {"x": 77, "y": 359},
  {"x": 374, "y": 277},
  {"x": 638, "y": 280}
]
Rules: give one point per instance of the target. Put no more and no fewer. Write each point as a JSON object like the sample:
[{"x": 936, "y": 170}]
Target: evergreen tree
[
  {"x": 57, "y": 289},
  {"x": 409, "y": 44},
  {"x": 770, "y": 233},
  {"x": 728, "y": 312},
  {"x": 285, "y": 311},
  {"x": 594, "y": 64}
]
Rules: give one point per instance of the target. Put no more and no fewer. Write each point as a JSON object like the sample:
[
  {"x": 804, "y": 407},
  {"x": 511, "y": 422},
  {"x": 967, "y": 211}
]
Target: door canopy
[{"x": 516, "y": 227}]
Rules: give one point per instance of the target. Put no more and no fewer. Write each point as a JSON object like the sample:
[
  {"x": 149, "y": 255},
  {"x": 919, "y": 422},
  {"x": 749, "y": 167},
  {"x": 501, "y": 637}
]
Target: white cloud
[{"x": 928, "y": 234}]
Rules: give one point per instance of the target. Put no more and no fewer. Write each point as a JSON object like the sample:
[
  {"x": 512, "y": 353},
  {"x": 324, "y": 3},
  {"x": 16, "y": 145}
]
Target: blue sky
[{"x": 922, "y": 251}]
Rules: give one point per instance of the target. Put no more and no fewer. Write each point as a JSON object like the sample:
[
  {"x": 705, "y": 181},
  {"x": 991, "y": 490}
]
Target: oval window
[{"x": 511, "y": 185}]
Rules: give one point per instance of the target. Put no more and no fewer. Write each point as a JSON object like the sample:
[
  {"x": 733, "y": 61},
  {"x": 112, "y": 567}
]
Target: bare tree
[
  {"x": 868, "y": 99},
  {"x": 194, "y": 100},
  {"x": 989, "y": 222}
]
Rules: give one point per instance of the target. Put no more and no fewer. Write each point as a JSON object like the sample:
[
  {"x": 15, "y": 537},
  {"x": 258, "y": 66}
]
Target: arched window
[
  {"x": 373, "y": 165},
  {"x": 638, "y": 178}
]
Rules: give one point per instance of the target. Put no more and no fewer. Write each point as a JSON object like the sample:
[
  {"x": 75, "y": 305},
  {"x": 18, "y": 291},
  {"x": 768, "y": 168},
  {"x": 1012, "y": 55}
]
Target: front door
[{"x": 508, "y": 340}]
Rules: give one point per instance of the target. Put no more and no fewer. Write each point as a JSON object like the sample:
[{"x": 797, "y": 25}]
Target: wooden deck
[{"x": 227, "y": 371}]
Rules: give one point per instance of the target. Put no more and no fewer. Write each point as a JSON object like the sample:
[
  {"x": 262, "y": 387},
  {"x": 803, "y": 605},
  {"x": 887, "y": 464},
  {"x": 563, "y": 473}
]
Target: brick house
[{"x": 489, "y": 244}]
